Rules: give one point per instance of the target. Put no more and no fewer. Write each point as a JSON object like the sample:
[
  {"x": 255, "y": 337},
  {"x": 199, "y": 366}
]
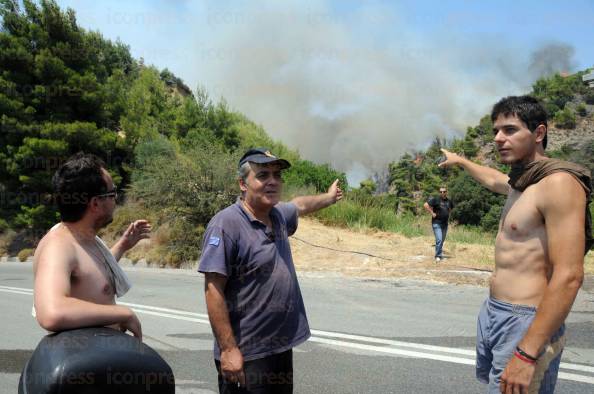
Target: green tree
[
  {"x": 64, "y": 89},
  {"x": 558, "y": 90},
  {"x": 60, "y": 92},
  {"x": 148, "y": 109},
  {"x": 565, "y": 119},
  {"x": 474, "y": 205},
  {"x": 367, "y": 187},
  {"x": 304, "y": 173}
]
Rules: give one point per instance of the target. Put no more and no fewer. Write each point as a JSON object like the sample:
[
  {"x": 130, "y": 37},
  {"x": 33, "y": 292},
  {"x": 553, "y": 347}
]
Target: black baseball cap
[{"x": 262, "y": 156}]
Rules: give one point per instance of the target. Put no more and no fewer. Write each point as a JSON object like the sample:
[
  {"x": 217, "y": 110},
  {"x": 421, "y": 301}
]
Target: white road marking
[
  {"x": 575, "y": 378},
  {"x": 470, "y": 360},
  {"x": 171, "y": 316},
  {"x": 16, "y": 291},
  {"x": 159, "y": 309},
  {"x": 393, "y": 343},
  {"x": 401, "y": 352},
  {"x": 577, "y": 367}
]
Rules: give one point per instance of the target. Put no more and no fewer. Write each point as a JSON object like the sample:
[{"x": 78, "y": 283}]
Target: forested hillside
[
  {"x": 173, "y": 151},
  {"x": 64, "y": 89},
  {"x": 570, "y": 104}
]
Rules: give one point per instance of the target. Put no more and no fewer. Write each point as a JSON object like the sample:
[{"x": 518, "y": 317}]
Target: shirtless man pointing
[
  {"x": 539, "y": 252},
  {"x": 76, "y": 276}
]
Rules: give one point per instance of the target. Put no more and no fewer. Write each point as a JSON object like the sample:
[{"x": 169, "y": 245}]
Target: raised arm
[
  {"x": 218, "y": 314},
  {"x": 490, "y": 178},
  {"x": 563, "y": 207},
  {"x": 56, "y": 310},
  {"x": 309, "y": 204},
  {"x": 137, "y": 230}
]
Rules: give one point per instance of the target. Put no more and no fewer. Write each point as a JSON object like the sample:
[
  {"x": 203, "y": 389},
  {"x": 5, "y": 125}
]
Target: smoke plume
[
  {"x": 552, "y": 58},
  {"x": 333, "y": 86}
]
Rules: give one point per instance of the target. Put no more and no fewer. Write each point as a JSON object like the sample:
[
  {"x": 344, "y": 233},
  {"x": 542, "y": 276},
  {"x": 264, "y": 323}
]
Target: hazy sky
[{"x": 353, "y": 83}]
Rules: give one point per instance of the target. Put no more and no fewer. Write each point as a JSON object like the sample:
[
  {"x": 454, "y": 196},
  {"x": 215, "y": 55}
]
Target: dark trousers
[{"x": 268, "y": 375}]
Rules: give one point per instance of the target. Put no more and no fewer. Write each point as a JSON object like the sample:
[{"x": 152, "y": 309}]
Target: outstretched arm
[
  {"x": 309, "y": 204},
  {"x": 490, "y": 178}
]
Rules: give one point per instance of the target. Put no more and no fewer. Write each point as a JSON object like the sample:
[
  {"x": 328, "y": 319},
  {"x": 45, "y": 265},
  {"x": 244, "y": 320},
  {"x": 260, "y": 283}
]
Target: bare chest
[
  {"x": 520, "y": 218},
  {"x": 91, "y": 280}
]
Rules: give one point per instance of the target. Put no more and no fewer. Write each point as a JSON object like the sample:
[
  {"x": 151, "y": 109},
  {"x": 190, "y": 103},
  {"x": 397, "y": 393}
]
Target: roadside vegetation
[{"x": 172, "y": 150}]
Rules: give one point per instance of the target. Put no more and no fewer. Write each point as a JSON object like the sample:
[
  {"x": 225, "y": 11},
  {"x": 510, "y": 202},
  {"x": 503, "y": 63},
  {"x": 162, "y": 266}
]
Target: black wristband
[{"x": 523, "y": 353}]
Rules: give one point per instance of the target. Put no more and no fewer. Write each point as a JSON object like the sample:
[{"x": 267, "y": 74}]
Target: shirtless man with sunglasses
[{"x": 76, "y": 276}]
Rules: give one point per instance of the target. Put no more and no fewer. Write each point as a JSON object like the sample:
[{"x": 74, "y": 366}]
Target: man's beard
[{"x": 103, "y": 221}]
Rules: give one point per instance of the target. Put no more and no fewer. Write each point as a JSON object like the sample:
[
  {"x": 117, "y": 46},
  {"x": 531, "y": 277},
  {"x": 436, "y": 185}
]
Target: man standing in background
[{"x": 439, "y": 208}]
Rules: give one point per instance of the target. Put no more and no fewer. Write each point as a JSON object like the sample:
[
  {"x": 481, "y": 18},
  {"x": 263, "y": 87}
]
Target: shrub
[
  {"x": 581, "y": 110},
  {"x": 565, "y": 119},
  {"x": 558, "y": 90},
  {"x": 24, "y": 254},
  {"x": 3, "y": 225},
  {"x": 6, "y": 242},
  {"x": 490, "y": 222},
  {"x": 564, "y": 153},
  {"x": 182, "y": 188},
  {"x": 193, "y": 184},
  {"x": 551, "y": 108},
  {"x": 367, "y": 186}
]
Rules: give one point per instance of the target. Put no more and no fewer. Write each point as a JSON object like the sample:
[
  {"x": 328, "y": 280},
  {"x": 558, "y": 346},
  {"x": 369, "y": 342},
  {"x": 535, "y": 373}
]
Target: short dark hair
[
  {"x": 527, "y": 108},
  {"x": 75, "y": 183}
]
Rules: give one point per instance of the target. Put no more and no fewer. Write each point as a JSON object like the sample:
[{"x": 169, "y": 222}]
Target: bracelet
[
  {"x": 526, "y": 355},
  {"x": 526, "y": 360}
]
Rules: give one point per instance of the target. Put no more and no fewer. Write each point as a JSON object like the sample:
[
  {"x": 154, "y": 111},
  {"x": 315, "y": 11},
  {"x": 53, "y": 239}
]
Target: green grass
[
  {"x": 354, "y": 215},
  {"x": 470, "y": 235},
  {"x": 361, "y": 213}
]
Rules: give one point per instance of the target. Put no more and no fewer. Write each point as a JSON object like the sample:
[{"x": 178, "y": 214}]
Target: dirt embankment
[{"x": 368, "y": 253}]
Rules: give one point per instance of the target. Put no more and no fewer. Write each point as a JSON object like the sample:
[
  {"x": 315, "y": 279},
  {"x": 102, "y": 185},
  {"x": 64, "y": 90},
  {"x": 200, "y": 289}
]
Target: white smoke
[{"x": 338, "y": 90}]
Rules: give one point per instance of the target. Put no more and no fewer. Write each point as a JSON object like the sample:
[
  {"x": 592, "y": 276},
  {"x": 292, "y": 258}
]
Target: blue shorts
[{"x": 501, "y": 326}]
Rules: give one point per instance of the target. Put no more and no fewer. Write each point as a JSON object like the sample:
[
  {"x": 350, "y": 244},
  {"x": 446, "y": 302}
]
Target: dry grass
[
  {"x": 355, "y": 252},
  {"x": 375, "y": 253},
  {"x": 390, "y": 255}
]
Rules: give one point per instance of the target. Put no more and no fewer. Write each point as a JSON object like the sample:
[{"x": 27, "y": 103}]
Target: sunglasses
[{"x": 110, "y": 193}]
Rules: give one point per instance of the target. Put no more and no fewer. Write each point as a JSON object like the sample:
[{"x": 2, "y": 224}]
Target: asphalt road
[{"x": 368, "y": 336}]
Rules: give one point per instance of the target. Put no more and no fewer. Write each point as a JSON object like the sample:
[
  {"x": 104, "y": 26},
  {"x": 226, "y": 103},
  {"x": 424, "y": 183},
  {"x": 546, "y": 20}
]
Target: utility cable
[{"x": 339, "y": 250}]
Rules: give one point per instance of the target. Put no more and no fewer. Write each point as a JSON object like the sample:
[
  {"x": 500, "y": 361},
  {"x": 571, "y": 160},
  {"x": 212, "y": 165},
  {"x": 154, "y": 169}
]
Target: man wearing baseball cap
[{"x": 252, "y": 294}]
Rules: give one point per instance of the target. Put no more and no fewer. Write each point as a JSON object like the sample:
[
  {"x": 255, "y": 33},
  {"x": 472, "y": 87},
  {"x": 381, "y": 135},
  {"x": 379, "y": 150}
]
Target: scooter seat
[{"x": 93, "y": 361}]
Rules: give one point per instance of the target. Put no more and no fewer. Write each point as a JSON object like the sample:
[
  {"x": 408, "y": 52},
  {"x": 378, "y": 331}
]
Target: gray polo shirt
[{"x": 265, "y": 306}]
